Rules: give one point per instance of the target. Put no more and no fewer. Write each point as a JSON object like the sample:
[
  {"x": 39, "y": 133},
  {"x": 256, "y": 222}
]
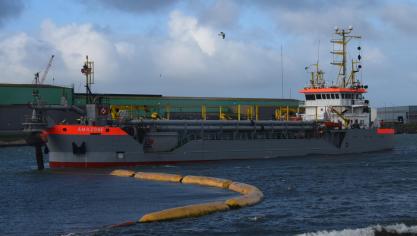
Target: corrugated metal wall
[
  {"x": 165, "y": 106},
  {"x": 128, "y": 99},
  {"x": 20, "y": 94},
  {"x": 402, "y": 114}
]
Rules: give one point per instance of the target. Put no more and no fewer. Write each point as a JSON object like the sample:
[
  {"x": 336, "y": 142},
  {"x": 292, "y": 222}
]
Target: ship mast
[
  {"x": 88, "y": 71},
  {"x": 341, "y": 51},
  {"x": 316, "y": 76}
]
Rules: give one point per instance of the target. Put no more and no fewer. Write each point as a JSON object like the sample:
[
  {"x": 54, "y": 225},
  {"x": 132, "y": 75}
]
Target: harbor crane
[
  {"x": 35, "y": 125},
  {"x": 45, "y": 72}
]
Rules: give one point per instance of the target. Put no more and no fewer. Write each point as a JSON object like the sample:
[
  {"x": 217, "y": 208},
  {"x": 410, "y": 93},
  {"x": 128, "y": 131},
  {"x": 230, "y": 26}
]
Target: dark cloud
[
  {"x": 222, "y": 14},
  {"x": 310, "y": 4},
  {"x": 401, "y": 16},
  {"x": 298, "y": 17},
  {"x": 10, "y": 9},
  {"x": 137, "y": 6},
  {"x": 319, "y": 17},
  {"x": 289, "y": 4},
  {"x": 246, "y": 63}
]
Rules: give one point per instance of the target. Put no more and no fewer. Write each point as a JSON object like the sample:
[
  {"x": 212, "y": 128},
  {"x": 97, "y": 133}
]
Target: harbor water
[{"x": 314, "y": 195}]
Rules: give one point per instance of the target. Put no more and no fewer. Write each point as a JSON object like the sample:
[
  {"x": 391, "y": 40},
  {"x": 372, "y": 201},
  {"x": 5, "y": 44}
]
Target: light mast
[{"x": 343, "y": 39}]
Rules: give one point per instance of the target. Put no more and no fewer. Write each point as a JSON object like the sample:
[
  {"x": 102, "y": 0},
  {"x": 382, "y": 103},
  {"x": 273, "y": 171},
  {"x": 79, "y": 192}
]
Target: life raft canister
[{"x": 103, "y": 111}]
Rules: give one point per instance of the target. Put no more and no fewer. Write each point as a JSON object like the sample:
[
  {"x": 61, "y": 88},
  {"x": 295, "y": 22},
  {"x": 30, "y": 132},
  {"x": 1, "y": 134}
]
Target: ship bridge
[{"x": 334, "y": 96}]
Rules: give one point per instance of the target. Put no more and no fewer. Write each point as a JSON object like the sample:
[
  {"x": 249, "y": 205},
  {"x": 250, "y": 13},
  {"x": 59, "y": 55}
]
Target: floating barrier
[
  {"x": 185, "y": 212},
  {"x": 125, "y": 224},
  {"x": 243, "y": 188},
  {"x": 206, "y": 181},
  {"x": 251, "y": 195},
  {"x": 123, "y": 173},
  {"x": 245, "y": 200},
  {"x": 158, "y": 177}
]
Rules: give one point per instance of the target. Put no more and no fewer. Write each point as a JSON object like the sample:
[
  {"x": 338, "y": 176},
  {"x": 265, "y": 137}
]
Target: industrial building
[
  {"x": 398, "y": 114},
  {"x": 15, "y": 100}
]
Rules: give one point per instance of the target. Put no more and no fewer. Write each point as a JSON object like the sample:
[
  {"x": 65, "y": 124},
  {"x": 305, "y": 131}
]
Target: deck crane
[
  {"x": 341, "y": 116},
  {"x": 45, "y": 72}
]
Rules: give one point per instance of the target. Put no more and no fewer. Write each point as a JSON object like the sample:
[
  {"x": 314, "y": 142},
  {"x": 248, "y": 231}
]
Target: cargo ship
[{"x": 336, "y": 121}]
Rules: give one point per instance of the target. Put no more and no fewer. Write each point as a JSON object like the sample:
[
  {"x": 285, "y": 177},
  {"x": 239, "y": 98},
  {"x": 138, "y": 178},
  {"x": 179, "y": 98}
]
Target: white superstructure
[{"x": 343, "y": 104}]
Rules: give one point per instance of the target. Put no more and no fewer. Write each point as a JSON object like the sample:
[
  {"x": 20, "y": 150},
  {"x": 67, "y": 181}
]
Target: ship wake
[{"x": 376, "y": 230}]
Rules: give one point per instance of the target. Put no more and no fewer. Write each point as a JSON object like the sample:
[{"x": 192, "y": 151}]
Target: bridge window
[
  {"x": 337, "y": 96},
  {"x": 328, "y": 96},
  {"x": 332, "y": 95},
  {"x": 318, "y": 96},
  {"x": 346, "y": 95},
  {"x": 310, "y": 97}
]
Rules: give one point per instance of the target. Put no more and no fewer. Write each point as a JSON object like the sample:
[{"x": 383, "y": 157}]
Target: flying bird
[{"x": 222, "y": 35}]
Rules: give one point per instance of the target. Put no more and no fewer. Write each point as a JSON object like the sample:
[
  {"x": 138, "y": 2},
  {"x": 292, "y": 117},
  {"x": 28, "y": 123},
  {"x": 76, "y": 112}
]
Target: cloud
[
  {"x": 221, "y": 14},
  {"x": 135, "y": 6},
  {"x": 13, "y": 51},
  {"x": 10, "y": 9},
  {"x": 73, "y": 42},
  {"x": 322, "y": 20},
  {"x": 312, "y": 5},
  {"x": 374, "y": 55},
  {"x": 194, "y": 61},
  {"x": 186, "y": 29},
  {"x": 400, "y": 16},
  {"x": 125, "y": 49},
  {"x": 186, "y": 57},
  {"x": 228, "y": 70}
]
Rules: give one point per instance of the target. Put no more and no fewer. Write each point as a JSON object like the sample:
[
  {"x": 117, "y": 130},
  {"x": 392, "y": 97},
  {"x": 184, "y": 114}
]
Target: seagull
[{"x": 222, "y": 34}]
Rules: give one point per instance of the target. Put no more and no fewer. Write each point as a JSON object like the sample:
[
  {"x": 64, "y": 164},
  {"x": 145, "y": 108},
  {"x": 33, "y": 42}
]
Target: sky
[{"x": 173, "y": 48}]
